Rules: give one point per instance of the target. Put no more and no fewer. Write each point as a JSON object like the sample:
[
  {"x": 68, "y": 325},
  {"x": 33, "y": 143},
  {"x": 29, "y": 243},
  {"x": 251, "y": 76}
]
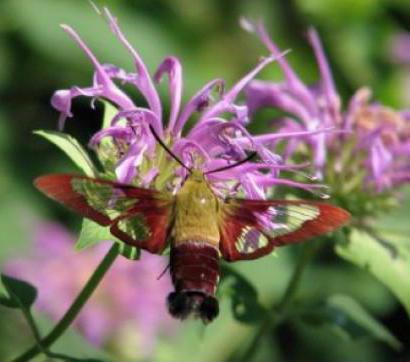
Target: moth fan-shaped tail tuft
[{"x": 182, "y": 305}]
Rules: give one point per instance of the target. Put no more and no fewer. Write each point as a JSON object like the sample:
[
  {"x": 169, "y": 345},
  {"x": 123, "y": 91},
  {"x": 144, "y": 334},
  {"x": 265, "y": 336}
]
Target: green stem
[
  {"x": 32, "y": 324},
  {"x": 75, "y": 308},
  {"x": 294, "y": 282},
  {"x": 278, "y": 312}
]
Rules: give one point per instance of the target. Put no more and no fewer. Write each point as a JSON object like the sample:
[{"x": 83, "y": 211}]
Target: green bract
[
  {"x": 387, "y": 261},
  {"x": 91, "y": 233},
  {"x": 349, "y": 319}
]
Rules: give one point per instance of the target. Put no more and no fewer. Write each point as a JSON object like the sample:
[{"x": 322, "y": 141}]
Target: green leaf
[
  {"x": 93, "y": 233},
  {"x": 244, "y": 297},
  {"x": 350, "y": 320},
  {"x": 72, "y": 148},
  {"x": 20, "y": 293},
  {"x": 385, "y": 257},
  {"x": 6, "y": 302},
  {"x": 109, "y": 112},
  {"x": 107, "y": 151}
]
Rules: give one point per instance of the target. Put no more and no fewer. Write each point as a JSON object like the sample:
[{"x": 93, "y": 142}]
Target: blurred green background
[{"x": 37, "y": 57}]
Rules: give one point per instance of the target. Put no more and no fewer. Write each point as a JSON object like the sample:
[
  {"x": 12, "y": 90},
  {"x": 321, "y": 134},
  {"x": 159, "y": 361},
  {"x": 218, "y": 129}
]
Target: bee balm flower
[
  {"x": 219, "y": 137},
  {"x": 370, "y": 153}
]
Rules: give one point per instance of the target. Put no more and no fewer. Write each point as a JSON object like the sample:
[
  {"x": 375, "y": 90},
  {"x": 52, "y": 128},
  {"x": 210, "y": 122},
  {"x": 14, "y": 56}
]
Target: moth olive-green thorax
[{"x": 196, "y": 211}]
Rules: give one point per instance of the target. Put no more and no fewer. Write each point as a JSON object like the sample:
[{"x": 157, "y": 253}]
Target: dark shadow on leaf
[
  {"x": 20, "y": 293},
  {"x": 244, "y": 297}
]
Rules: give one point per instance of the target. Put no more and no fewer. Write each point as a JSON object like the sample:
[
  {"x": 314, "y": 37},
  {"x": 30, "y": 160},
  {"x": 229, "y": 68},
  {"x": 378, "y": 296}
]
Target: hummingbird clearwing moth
[{"x": 199, "y": 226}]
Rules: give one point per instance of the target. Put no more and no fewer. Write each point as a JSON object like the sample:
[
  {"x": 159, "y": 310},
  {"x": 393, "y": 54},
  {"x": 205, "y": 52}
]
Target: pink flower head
[
  {"x": 379, "y": 136},
  {"x": 219, "y": 137},
  {"x": 384, "y": 134},
  {"x": 131, "y": 297}
]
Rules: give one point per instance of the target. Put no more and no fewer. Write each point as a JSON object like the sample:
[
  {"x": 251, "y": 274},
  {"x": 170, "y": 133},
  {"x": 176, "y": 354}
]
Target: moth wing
[
  {"x": 252, "y": 228},
  {"x": 137, "y": 216},
  {"x": 145, "y": 226}
]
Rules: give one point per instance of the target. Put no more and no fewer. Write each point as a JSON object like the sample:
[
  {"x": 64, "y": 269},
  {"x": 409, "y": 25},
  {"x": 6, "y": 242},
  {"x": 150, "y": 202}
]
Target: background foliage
[{"x": 36, "y": 58}]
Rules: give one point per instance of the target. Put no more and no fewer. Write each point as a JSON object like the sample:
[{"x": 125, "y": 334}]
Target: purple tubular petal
[
  {"x": 182, "y": 145},
  {"x": 172, "y": 66},
  {"x": 400, "y": 48},
  {"x": 262, "y": 93},
  {"x": 268, "y": 156},
  {"x": 149, "y": 177},
  {"x": 400, "y": 177},
  {"x": 327, "y": 82},
  {"x": 319, "y": 147},
  {"x": 212, "y": 136},
  {"x": 234, "y": 91},
  {"x": 61, "y": 100},
  {"x": 148, "y": 116},
  {"x": 103, "y": 85},
  {"x": 111, "y": 91},
  {"x": 196, "y": 103},
  {"x": 225, "y": 104},
  {"x": 206, "y": 134},
  {"x": 115, "y": 72},
  {"x": 114, "y": 131},
  {"x": 104, "y": 78},
  {"x": 126, "y": 168},
  {"x": 143, "y": 82},
  {"x": 380, "y": 158},
  {"x": 265, "y": 154},
  {"x": 273, "y": 137},
  {"x": 241, "y": 113},
  {"x": 359, "y": 99},
  {"x": 402, "y": 149},
  {"x": 294, "y": 82},
  {"x": 268, "y": 181},
  {"x": 252, "y": 188},
  {"x": 237, "y": 172}
]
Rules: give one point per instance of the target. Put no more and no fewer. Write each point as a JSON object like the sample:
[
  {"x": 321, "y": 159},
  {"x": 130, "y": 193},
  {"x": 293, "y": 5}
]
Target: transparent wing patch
[{"x": 252, "y": 228}]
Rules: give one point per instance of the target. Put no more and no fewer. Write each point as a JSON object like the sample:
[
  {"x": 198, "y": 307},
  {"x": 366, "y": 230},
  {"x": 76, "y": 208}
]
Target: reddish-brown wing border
[
  {"x": 239, "y": 214},
  {"x": 150, "y": 203}
]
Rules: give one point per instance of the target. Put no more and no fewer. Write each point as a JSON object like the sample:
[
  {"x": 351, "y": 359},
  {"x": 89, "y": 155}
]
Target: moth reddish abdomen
[{"x": 194, "y": 267}]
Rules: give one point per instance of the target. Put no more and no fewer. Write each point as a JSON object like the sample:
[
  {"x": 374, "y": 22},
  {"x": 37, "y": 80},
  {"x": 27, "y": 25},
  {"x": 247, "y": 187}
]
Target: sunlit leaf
[
  {"x": 385, "y": 257},
  {"x": 92, "y": 233},
  {"x": 109, "y": 112},
  {"x": 20, "y": 293},
  {"x": 107, "y": 151},
  {"x": 71, "y": 148},
  {"x": 349, "y": 319},
  {"x": 244, "y": 297}
]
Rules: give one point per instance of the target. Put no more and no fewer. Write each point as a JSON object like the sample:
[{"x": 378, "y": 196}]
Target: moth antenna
[
  {"x": 165, "y": 147},
  {"x": 163, "y": 272},
  {"x": 250, "y": 157}
]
